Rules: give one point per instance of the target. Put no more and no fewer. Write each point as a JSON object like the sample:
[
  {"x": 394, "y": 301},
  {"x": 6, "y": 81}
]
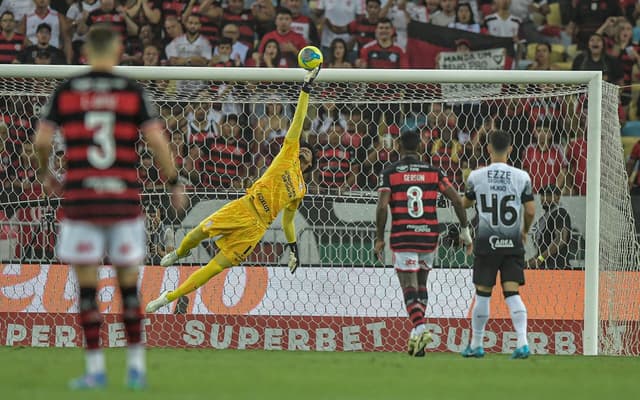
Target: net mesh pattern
[{"x": 224, "y": 135}]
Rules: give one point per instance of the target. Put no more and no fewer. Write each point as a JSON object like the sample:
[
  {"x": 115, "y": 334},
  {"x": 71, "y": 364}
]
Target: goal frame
[{"x": 593, "y": 80}]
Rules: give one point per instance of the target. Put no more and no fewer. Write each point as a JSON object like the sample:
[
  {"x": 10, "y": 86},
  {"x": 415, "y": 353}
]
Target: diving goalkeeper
[{"x": 242, "y": 222}]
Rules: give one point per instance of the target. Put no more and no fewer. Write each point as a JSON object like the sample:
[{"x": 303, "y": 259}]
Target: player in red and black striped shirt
[
  {"x": 11, "y": 42},
  {"x": 99, "y": 115},
  {"x": 410, "y": 187}
]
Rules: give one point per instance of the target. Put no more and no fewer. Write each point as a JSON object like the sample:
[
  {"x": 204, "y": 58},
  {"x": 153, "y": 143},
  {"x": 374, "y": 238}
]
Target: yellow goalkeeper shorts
[{"x": 239, "y": 227}]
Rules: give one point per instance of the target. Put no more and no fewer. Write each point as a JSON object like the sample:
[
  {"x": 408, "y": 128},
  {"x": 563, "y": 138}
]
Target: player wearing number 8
[
  {"x": 500, "y": 193},
  {"x": 99, "y": 114},
  {"x": 410, "y": 188}
]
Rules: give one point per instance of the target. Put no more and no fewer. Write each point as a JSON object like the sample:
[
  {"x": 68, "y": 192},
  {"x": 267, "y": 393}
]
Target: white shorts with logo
[
  {"x": 86, "y": 243},
  {"x": 412, "y": 261}
]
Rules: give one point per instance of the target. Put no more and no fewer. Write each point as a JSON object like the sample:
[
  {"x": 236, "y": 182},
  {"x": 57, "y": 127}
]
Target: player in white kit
[{"x": 501, "y": 195}]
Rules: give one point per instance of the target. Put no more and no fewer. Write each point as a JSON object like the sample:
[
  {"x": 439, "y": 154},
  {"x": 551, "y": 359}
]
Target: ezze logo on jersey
[
  {"x": 498, "y": 176},
  {"x": 497, "y": 243}
]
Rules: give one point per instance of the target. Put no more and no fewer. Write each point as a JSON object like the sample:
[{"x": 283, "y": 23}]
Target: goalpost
[{"x": 596, "y": 295}]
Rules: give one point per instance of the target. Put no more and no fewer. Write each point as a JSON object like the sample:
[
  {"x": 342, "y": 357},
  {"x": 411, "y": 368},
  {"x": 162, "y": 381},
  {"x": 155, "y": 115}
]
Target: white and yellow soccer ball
[{"x": 310, "y": 57}]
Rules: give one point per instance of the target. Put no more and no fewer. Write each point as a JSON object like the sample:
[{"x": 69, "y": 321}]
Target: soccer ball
[{"x": 309, "y": 57}]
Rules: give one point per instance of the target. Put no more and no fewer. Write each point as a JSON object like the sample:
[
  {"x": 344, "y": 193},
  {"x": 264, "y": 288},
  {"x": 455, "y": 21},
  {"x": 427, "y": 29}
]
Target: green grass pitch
[{"x": 178, "y": 374}]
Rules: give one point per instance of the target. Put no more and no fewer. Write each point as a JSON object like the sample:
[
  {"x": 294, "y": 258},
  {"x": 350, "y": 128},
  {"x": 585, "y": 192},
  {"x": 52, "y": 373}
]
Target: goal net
[{"x": 225, "y": 127}]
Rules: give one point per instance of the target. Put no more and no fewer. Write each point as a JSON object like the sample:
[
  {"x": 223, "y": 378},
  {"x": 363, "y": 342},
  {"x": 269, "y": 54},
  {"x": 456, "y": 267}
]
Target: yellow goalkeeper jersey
[{"x": 282, "y": 185}]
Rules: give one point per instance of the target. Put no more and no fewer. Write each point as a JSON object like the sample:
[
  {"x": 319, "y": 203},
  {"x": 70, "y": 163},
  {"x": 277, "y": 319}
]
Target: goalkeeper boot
[
  {"x": 411, "y": 346},
  {"x": 88, "y": 382},
  {"x": 477, "y": 352},
  {"x": 423, "y": 340},
  {"x": 171, "y": 258},
  {"x": 521, "y": 353},
  {"x": 161, "y": 301},
  {"x": 136, "y": 380}
]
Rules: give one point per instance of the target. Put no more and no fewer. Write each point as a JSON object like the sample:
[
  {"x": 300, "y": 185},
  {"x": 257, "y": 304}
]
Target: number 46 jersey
[
  {"x": 414, "y": 187},
  {"x": 499, "y": 191},
  {"x": 99, "y": 115}
]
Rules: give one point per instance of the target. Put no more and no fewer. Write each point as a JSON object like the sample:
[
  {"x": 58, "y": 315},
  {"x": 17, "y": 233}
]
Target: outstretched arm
[
  {"x": 288, "y": 226},
  {"x": 290, "y": 234},
  {"x": 293, "y": 134}
]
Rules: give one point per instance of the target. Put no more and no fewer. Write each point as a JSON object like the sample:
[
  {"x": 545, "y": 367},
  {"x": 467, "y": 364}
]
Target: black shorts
[{"x": 486, "y": 267}]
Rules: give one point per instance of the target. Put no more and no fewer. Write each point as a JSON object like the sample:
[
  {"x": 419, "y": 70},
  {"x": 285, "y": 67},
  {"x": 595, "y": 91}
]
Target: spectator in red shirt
[
  {"x": 634, "y": 182},
  {"x": 381, "y": 154},
  {"x": 301, "y": 23},
  {"x": 618, "y": 39},
  {"x": 289, "y": 41},
  {"x": 590, "y": 14},
  {"x": 544, "y": 161},
  {"x": 363, "y": 30},
  {"x": 26, "y": 182},
  {"x": 632, "y": 168},
  {"x": 337, "y": 168},
  {"x": 383, "y": 53},
  {"x": 576, "y": 180},
  {"x": 244, "y": 19},
  {"x": 226, "y": 157},
  {"x": 9, "y": 165},
  {"x": 11, "y": 42}
]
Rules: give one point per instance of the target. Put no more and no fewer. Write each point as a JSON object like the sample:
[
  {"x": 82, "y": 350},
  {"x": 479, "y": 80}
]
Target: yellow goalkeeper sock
[
  {"x": 190, "y": 241},
  {"x": 197, "y": 279}
]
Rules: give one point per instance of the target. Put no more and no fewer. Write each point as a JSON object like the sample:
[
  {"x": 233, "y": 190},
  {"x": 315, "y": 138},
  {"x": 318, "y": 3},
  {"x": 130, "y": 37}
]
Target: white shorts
[
  {"x": 86, "y": 243},
  {"x": 412, "y": 261}
]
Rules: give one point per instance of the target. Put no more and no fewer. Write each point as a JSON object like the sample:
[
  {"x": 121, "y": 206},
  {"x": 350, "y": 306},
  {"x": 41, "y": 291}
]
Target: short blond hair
[{"x": 101, "y": 39}]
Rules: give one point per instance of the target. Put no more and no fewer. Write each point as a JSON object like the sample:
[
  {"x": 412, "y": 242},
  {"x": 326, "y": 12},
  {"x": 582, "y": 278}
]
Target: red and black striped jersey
[
  {"x": 9, "y": 48},
  {"x": 172, "y": 7},
  {"x": 223, "y": 161},
  {"x": 209, "y": 27},
  {"x": 334, "y": 164},
  {"x": 99, "y": 115},
  {"x": 246, "y": 25},
  {"x": 377, "y": 56},
  {"x": 363, "y": 31},
  {"x": 141, "y": 18},
  {"x": 414, "y": 187},
  {"x": 112, "y": 17}
]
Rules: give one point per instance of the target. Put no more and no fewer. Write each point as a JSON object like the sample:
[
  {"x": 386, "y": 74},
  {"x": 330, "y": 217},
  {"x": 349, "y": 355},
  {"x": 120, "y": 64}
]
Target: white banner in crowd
[{"x": 480, "y": 59}]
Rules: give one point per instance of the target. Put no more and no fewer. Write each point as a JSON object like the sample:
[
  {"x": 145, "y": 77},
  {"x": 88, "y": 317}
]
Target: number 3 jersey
[
  {"x": 414, "y": 187},
  {"x": 499, "y": 191},
  {"x": 99, "y": 115}
]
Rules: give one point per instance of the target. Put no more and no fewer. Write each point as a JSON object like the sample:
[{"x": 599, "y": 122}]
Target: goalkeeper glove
[
  {"x": 465, "y": 235},
  {"x": 294, "y": 258},
  {"x": 310, "y": 77}
]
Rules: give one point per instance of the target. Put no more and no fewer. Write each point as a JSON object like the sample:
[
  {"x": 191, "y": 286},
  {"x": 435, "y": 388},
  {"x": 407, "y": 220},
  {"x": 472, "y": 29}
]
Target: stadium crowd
[{"x": 226, "y": 146}]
